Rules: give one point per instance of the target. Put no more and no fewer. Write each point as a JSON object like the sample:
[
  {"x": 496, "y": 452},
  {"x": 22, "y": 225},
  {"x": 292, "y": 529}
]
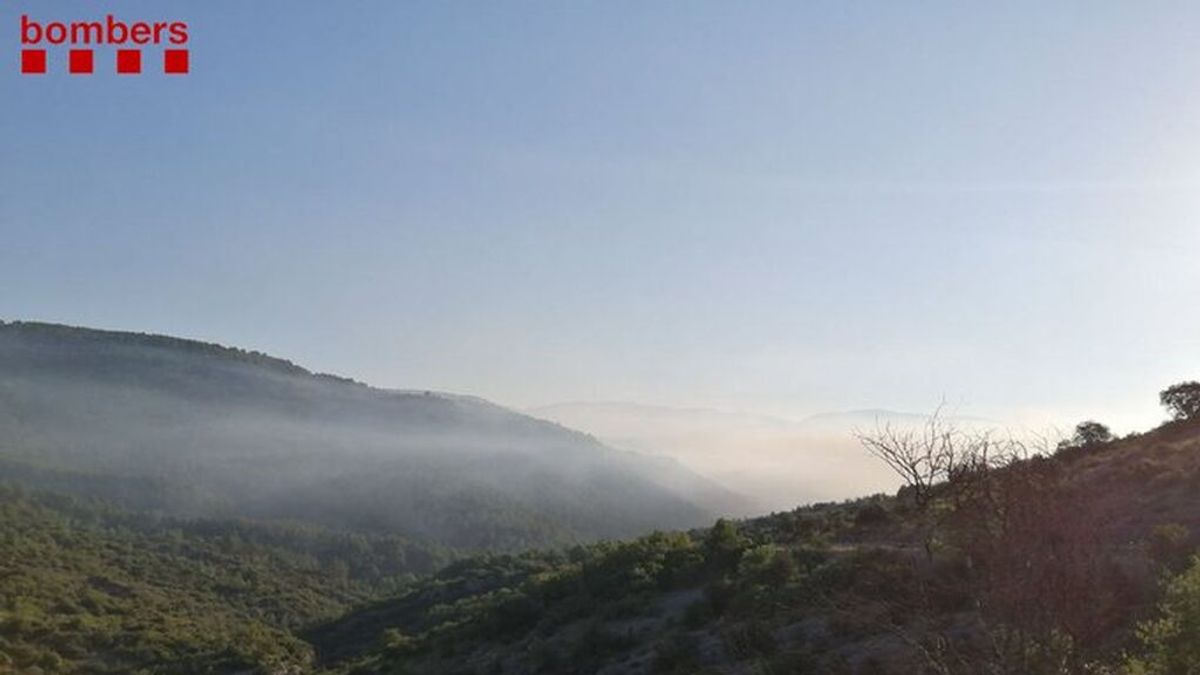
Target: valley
[{"x": 176, "y": 507}]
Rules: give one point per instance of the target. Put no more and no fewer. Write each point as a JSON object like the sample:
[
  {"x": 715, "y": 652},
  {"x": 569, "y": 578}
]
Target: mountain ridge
[{"x": 264, "y": 437}]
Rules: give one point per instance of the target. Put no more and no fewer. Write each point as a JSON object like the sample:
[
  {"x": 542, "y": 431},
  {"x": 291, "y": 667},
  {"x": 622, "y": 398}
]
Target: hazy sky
[{"x": 780, "y": 207}]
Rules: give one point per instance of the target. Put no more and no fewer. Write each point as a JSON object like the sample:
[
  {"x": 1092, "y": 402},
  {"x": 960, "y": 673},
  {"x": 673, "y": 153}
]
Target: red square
[
  {"x": 175, "y": 61},
  {"x": 81, "y": 61},
  {"x": 129, "y": 61},
  {"x": 33, "y": 61}
]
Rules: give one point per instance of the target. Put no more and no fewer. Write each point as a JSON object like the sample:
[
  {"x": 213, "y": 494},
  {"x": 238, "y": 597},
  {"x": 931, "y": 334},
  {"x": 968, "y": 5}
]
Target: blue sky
[{"x": 775, "y": 207}]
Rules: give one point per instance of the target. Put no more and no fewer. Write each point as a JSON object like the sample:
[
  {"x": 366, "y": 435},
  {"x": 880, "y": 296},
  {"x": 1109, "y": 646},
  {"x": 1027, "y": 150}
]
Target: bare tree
[
  {"x": 1044, "y": 588},
  {"x": 937, "y": 460},
  {"x": 922, "y": 456}
]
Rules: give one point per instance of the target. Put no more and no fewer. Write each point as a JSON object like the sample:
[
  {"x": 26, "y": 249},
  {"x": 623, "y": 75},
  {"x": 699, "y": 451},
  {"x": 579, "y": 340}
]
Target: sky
[{"x": 785, "y": 208}]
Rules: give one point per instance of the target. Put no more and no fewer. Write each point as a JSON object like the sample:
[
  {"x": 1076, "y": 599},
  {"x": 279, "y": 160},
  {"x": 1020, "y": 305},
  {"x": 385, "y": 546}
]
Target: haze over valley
[
  {"x": 781, "y": 462},
  {"x": 197, "y": 429},
  {"x": 634, "y": 337}
]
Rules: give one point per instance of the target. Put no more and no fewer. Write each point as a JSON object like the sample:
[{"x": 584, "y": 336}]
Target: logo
[{"x": 132, "y": 46}]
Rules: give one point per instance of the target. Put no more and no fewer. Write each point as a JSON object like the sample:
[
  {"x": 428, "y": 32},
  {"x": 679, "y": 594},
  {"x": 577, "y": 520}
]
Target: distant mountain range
[
  {"x": 781, "y": 462},
  {"x": 191, "y": 428}
]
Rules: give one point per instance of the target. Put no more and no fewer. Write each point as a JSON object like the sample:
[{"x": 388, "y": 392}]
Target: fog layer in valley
[
  {"x": 783, "y": 463},
  {"x": 197, "y": 429}
]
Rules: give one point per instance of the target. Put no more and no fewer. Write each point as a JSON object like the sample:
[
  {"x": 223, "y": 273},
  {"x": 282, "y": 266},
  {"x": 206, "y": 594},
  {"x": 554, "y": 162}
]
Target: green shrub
[
  {"x": 1172, "y": 642},
  {"x": 768, "y": 564}
]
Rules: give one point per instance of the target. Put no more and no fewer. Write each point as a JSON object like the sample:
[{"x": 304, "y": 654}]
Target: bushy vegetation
[
  {"x": 91, "y": 589},
  {"x": 1172, "y": 640},
  {"x": 993, "y": 558},
  {"x": 648, "y": 599}
]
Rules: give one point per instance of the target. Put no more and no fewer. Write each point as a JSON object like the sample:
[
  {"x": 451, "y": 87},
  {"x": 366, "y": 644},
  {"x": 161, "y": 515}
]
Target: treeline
[{"x": 90, "y": 337}]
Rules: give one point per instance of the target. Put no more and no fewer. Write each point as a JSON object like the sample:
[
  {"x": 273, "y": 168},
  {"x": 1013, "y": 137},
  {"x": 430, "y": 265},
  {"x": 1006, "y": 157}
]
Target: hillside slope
[
  {"x": 197, "y": 429},
  {"x": 1053, "y": 577},
  {"x": 88, "y": 588}
]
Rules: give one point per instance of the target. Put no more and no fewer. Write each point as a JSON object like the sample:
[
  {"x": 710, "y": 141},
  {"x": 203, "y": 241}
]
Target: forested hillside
[
  {"x": 88, "y": 588},
  {"x": 174, "y": 507},
  {"x": 1079, "y": 562},
  {"x": 196, "y": 429}
]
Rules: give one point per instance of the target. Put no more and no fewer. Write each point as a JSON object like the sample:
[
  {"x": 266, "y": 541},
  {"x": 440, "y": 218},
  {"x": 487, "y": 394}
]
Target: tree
[
  {"x": 936, "y": 453},
  {"x": 1034, "y": 565},
  {"x": 1088, "y": 435},
  {"x": 1182, "y": 400},
  {"x": 724, "y": 545},
  {"x": 921, "y": 457},
  {"x": 1092, "y": 433},
  {"x": 939, "y": 462}
]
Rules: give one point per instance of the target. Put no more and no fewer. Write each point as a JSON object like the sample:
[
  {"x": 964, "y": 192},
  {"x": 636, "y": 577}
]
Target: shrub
[
  {"x": 598, "y": 642},
  {"x": 769, "y": 565},
  {"x": 723, "y": 546},
  {"x": 697, "y": 614},
  {"x": 720, "y": 595},
  {"x": 1170, "y": 641},
  {"x": 749, "y": 640},
  {"x": 678, "y": 654},
  {"x": 871, "y": 514}
]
